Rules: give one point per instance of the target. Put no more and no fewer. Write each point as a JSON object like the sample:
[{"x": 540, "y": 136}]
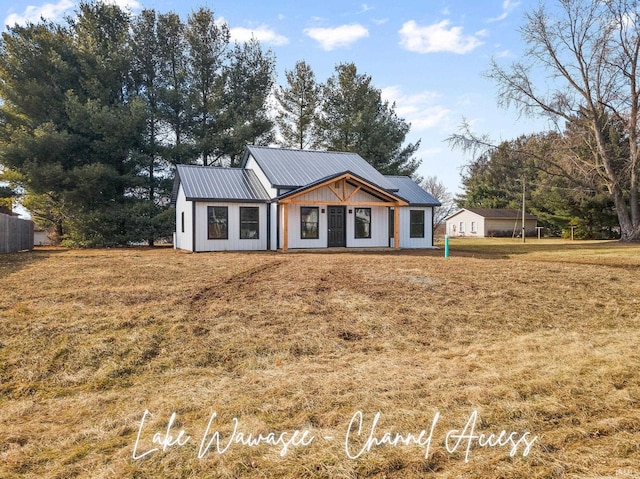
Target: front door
[{"x": 336, "y": 229}]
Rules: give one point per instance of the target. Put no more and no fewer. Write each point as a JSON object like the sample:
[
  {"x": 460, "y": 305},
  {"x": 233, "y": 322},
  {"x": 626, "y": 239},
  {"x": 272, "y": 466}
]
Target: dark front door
[{"x": 337, "y": 234}]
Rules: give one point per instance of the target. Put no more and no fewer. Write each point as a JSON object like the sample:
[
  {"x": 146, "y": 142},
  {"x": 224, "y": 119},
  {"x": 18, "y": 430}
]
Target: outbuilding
[{"x": 490, "y": 222}]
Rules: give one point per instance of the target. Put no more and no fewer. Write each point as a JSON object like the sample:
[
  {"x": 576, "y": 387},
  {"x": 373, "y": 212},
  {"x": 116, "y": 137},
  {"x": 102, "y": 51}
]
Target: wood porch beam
[
  {"x": 339, "y": 203},
  {"x": 365, "y": 186},
  {"x": 358, "y": 188},
  {"x": 335, "y": 193}
]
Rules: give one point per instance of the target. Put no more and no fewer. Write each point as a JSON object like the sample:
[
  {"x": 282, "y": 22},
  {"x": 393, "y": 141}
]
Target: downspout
[{"x": 193, "y": 226}]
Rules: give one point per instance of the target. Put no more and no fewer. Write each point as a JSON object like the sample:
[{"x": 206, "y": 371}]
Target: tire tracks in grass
[{"x": 232, "y": 285}]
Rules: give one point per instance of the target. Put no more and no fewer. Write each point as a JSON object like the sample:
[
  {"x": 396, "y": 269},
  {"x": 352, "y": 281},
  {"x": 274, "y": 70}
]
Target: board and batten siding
[
  {"x": 252, "y": 164},
  {"x": 379, "y": 220},
  {"x": 184, "y": 210},
  {"x": 233, "y": 243},
  {"x": 379, "y": 228},
  {"x": 405, "y": 228},
  {"x": 294, "y": 228}
]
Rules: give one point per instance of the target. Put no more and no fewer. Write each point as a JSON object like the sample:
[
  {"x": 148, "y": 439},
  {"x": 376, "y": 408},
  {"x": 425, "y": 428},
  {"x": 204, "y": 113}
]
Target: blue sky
[{"x": 427, "y": 56}]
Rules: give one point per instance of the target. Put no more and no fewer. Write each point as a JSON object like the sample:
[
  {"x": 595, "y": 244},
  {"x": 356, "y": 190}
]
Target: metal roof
[
  {"x": 289, "y": 168},
  {"x": 413, "y": 192},
  {"x": 208, "y": 183},
  {"x": 496, "y": 213}
]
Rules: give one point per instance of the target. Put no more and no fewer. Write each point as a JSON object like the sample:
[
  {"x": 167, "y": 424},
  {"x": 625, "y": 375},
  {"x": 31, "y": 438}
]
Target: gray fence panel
[{"x": 16, "y": 234}]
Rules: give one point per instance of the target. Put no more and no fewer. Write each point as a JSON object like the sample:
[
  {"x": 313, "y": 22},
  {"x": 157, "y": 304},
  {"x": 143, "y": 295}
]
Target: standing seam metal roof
[
  {"x": 214, "y": 183},
  {"x": 413, "y": 192},
  {"x": 288, "y": 168}
]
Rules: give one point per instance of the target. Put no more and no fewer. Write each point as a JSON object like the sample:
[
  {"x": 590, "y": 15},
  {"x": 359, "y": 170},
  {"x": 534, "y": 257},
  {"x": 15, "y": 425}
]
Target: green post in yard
[{"x": 446, "y": 246}]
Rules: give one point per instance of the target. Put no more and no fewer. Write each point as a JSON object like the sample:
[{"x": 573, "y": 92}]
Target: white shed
[{"x": 489, "y": 222}]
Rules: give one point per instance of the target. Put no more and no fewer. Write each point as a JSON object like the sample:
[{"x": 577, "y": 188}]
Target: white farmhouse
[{"x": 281, "y": 199}]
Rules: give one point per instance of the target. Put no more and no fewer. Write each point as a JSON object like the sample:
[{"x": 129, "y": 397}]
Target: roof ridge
[
  {"x": 284, "y": 148},
  {"x": 211, "y": 166}
]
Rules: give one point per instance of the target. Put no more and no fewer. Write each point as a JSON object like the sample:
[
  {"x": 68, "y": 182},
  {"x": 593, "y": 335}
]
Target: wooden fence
[{"x": 16, "y": 234}]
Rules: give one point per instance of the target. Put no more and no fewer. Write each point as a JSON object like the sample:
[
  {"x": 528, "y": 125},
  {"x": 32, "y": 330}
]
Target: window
[
  {"x": 363, "y": 222},
  {"x": 309, "y": 222},
  {"x": 416, "y": 218},
  {"x": 474, "y": 227},
  {"x": 462, "y": 227},
  {"x": 182, "y": 221},
  {"x": 218, "y": 222},
  {"x": 249, "y": 222}
]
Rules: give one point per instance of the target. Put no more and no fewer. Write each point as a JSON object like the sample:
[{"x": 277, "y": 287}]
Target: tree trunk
[{"x": 629, "y": 226}]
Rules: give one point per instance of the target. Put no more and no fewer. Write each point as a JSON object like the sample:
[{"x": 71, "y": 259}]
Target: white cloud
[
  {"x": 262, "y": 33},
  {"x": 56, "y": 11},
  {"x": 337, "y": 37},
  {"x": 419, "y": 109},
  {"x": 33, "y": 14},
  {"x": 379, "y": 21},
  {"x": 438, "y": 37},
  {"x": 507, "y": 7},
  {"x": 125, "y": 4}
]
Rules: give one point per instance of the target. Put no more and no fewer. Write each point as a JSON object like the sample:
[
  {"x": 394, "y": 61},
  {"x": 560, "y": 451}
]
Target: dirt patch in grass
[{"x": 541, "y": 341}]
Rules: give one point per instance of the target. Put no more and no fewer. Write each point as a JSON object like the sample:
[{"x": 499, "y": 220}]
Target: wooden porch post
[
  {"x": 396, "y": 227},
  {"x": 285, "y": 226}
]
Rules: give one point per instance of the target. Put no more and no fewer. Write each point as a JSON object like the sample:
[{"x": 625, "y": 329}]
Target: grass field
[{"x": 297, "y": 350}]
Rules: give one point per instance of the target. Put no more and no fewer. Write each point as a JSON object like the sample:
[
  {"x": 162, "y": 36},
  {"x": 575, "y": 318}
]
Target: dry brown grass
[{"x": 541, "y": 337}]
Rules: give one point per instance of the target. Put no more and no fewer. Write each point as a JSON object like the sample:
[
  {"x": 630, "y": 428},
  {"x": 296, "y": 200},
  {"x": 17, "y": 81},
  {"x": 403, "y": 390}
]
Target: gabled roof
[
  {"x": 209, "y": 183},
  {"x": 289, "y": 168},
  {"x": 352, "y": 178},
  {"x": 413, "y": 192},
  {"x": 497, "y": 213}
]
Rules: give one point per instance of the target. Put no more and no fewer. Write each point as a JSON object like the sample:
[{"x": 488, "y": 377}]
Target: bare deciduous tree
[
  {"x": 589, "y": 52},
  {"x": 437, "y": 189}
]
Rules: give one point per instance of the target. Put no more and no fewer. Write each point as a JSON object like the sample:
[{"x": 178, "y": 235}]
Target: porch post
[
  {"x": 285, "y": 226},
  {"x": 396, "y": 226}
]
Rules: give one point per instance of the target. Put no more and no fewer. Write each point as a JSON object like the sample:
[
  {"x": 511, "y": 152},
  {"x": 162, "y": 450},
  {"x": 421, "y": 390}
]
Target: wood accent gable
[
  {"x": 388, "y": 199},
  {"x": 344, "y": 189}
]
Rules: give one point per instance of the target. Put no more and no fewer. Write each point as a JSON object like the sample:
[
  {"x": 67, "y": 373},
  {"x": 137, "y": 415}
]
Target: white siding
[
  {"x": 405, "y": 228},
  {"x": 252, "y": 164},
  {"x": 184, "y": 239},
  {"x": 294, "y": 228},
  {"x": 273, "y": 207},
  {"x": 233, "y": 243},
  {"x": 379, "y": 228},
  {"x": 466, "y": 218},
  {"x": 379, "y": 220}
]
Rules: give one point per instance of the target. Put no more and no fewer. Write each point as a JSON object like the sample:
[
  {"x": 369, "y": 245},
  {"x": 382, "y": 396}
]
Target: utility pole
[{"x": 523, "y": 195}]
